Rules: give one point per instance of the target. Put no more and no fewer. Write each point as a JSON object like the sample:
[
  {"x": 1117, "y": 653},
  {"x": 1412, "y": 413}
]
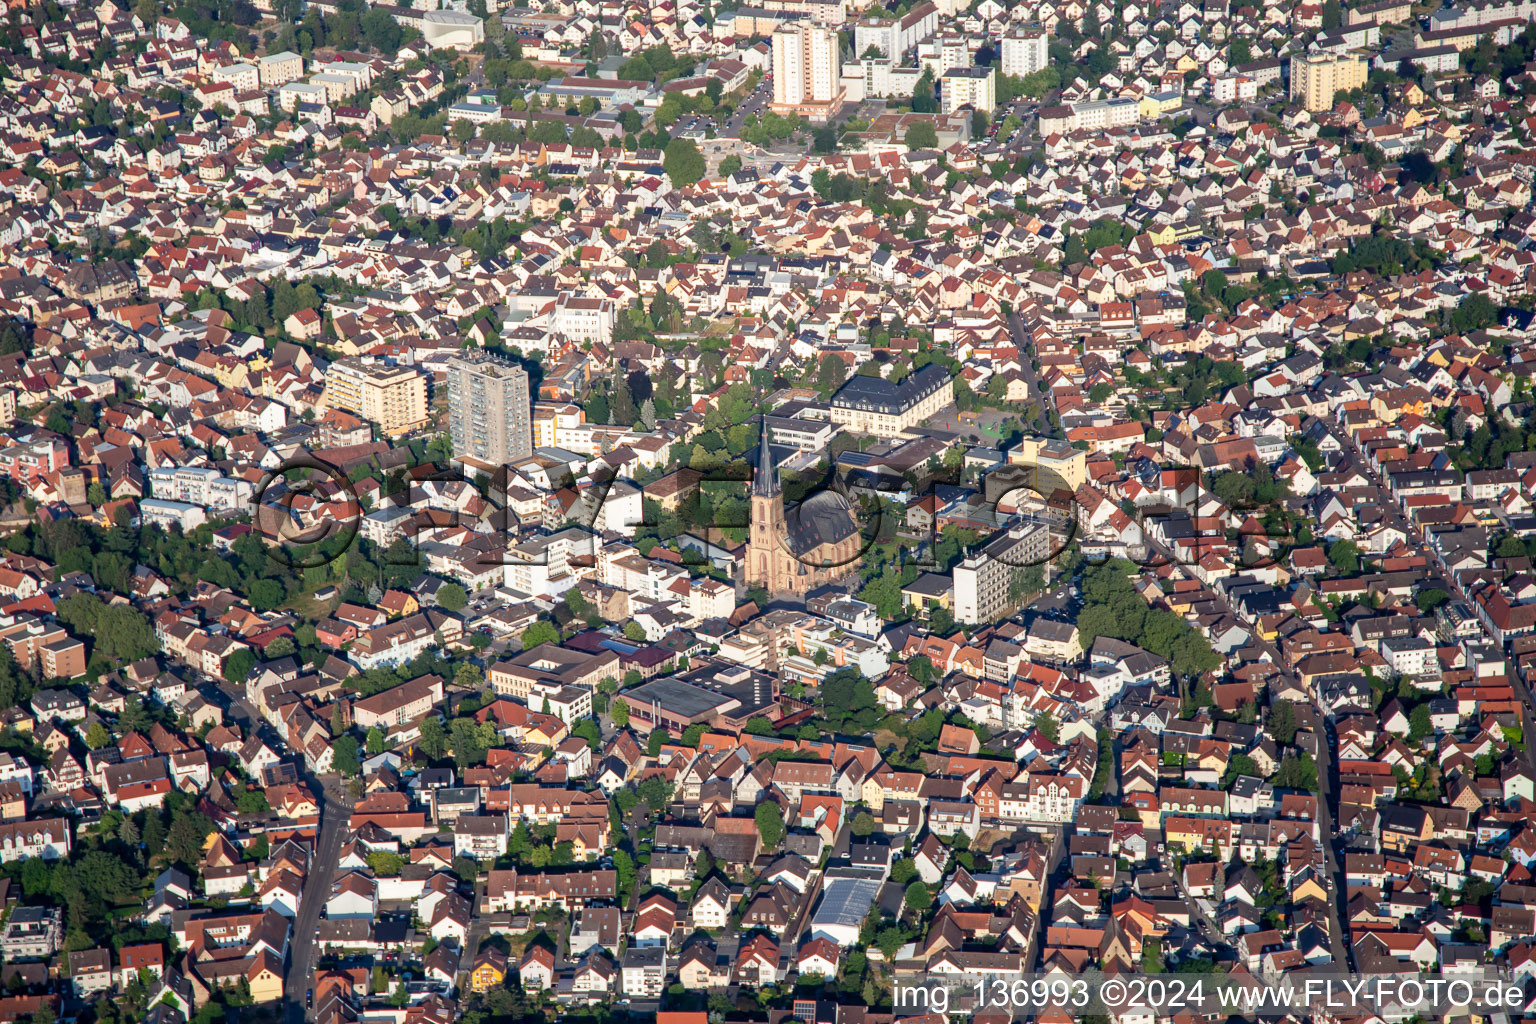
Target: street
[
  {"x": 303, "y": 951},
  {"x": 1053, "y": 858},
  {"x": 335, "y": 811},
  {"x": 1041, "y": 423}
]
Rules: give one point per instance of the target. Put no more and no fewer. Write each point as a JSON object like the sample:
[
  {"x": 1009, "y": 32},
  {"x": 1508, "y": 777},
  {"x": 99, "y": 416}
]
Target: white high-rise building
[
  {"x": 969, "y": 87},
  {"x": 1025, "y": 52},
  {"x": 807, "y": 77},
  {"x": 981, "y": 579}
]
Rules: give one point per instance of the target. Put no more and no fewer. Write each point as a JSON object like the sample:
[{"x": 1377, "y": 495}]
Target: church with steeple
[{"x": 798, "y": 550}]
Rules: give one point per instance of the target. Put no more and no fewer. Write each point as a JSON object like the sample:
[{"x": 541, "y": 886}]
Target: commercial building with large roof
[{"x": 845, "y": 903}]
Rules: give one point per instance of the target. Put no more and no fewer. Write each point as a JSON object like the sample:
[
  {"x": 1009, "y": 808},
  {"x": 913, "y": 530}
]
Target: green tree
[
  {"x": 451, "y": 597},
  {"x": 1298, "y": 772},
  {"x": 184, "y": 842},
  {"x": 656, "y": 791},
  {"x": 540, "y": 632},
  {"x": 923, "y": 99},
  {"x": 624, "y": 870},
  {"x": 344, "y": 755},
  {"x": 1430, "y": 598},
  {"x": 918, "y": 897},
  {"x": 470, "y": 741},
  {"x": 634, "y": 631},
  {"x": 921, "y": 135},
  {"x": 434, "y": 738},
  {"x": 890, "y": 941},
  {"x": 381, "y": 30},
  {"x": 619, "y": 712},
  {"x": 97, "y": 736},
  {"x": 385, "y": 863},
  {"x": 1419, "y": 724},
  {"x": 121, "y": 632},
  {"x": 1474, "y": 313},
  {"x": 1240, "y": 764},
  {"x": 375, "y": 741},
  {"x": 239, "y": 665},
  {"x": 265, "y": 594},
  {"x": 588, "y": 730},
  {"x": 1048, "y": 727},
  {"x": 683, "y": 162},
  {"x": 1282, "y": 722},
  {"x": 831, "y": 371},
  {"x": 770, "y": 824},
  {"x": 1345, "y": 556}
]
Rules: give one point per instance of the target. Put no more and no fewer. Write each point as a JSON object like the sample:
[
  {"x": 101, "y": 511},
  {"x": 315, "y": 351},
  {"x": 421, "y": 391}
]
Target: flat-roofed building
[
  {"x": 806, "y": 71},
  {"x": 1025, "y": 51},
  {"x": 390, "y": 396},
  {"x": 983, "y": 579},
  {"x": 277, "y": 69},
  {"x": 1317, "y": 77},
  {"x": 969, "y": 87},
  {"x": 489, "y": 410},
  {"x": 674, "y": 705},
  {"x": 845, "y": 903}
]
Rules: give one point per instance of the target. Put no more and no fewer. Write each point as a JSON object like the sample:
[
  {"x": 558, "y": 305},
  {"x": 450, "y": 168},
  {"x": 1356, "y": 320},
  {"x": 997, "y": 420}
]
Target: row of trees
[{"x": 1111, "y": 607}]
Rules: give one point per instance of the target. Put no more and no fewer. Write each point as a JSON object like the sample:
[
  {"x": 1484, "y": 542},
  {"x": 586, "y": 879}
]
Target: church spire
[{"x": 766, "y": 483}]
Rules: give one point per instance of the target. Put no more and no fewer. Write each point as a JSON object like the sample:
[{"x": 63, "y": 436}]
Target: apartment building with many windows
[
  {"x": 489, "y": 410},
  {"x": 390, "y": 396},
  {"x": 982, "y": 579}
]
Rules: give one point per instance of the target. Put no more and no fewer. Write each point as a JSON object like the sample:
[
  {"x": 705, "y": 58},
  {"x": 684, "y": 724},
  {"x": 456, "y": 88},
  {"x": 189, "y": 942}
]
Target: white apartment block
[
  {"x": 895, "y": 36},
  {"x": 337, "y": 87},
  {"x": 244, "y": 77},
  {"x": 1095, "y": 115},
  {"x": 947, "y": 52},
  {"x": 806, "y": 71},
  {"x": 580, "y": 319},
  {"x": 1024, "y": 52},
  {"x": 293, "y": 93},
  {"x": 359, "y": 72},
  {"x": 542, "y": 565},
  {"x": 277, "y": 69},
  {"x": 570, "y": 704},
  {"x": 198, "y": 485},
  {"x": 878, "y": 78},
  {"x": 981, "y": 580},
  {"x": 969, "y": 87},
  {"x": 1234, "y": 88}
]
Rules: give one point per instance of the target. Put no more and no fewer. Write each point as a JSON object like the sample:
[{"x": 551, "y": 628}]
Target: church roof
[{"x": 822, "y": 518}]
